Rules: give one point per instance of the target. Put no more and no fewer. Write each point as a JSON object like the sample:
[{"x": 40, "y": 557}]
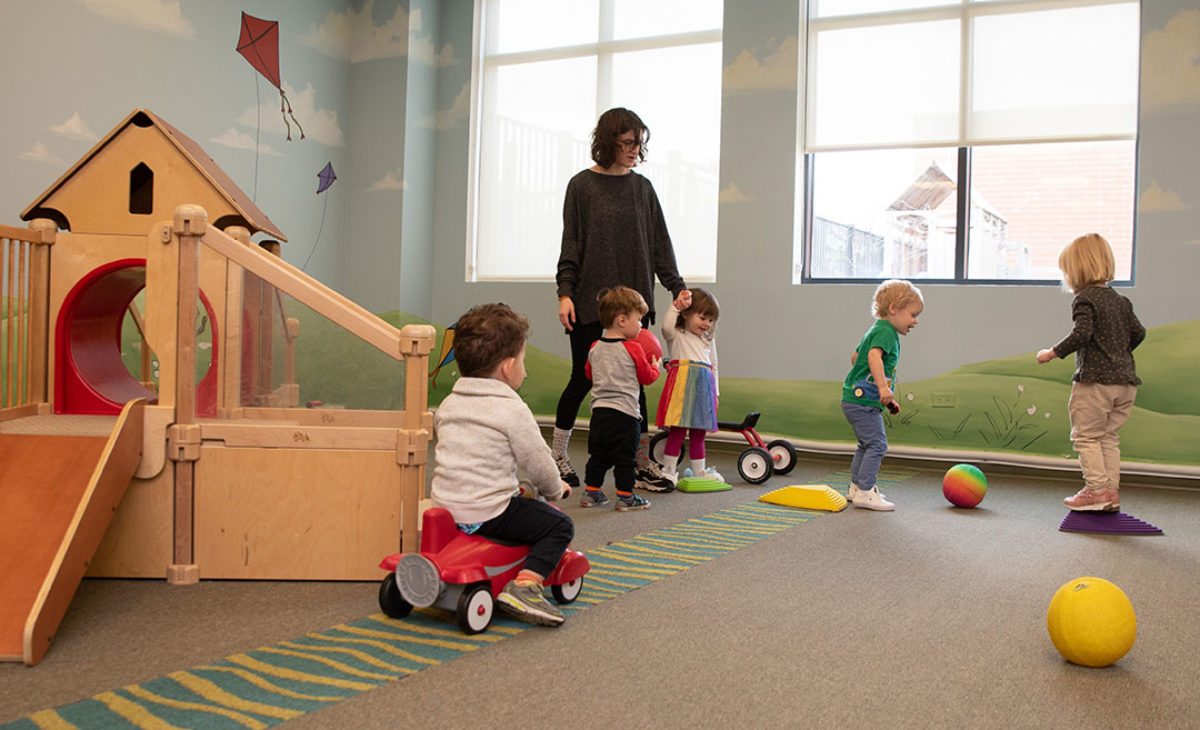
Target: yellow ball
[{"x": 1091, "y": 622}]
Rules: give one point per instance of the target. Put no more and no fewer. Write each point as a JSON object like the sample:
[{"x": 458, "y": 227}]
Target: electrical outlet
[{"x": 941, "y": 400}]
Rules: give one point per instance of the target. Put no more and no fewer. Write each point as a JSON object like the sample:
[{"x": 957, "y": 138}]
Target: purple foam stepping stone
[{"x": 1113, "y": 523}]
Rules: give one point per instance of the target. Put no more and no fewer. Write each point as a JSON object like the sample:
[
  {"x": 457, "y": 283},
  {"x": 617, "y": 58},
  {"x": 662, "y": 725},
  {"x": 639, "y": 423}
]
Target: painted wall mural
[{"x": 382, "y": 89}]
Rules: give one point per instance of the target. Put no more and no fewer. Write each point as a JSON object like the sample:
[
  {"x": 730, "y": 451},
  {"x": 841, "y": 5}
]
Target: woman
[{"x": 614, "y": 234}]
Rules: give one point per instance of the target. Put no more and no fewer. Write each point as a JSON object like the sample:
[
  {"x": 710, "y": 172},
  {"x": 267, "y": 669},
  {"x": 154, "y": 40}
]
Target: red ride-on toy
[
  {"x": 463, "y": 573},
  {"x": 756, "y": 464}
]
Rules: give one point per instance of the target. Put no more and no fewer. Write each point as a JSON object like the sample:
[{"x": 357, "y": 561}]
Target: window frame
[
  {"x": 965, "y": 10},
  {"x": 603, "y": 49}
]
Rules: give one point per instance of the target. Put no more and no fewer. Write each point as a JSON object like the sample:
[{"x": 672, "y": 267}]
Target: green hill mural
[{"x": 1006, "y": 405}]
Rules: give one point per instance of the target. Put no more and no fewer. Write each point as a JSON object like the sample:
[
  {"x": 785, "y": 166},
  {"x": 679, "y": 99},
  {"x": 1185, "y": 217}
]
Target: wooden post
[
  {"x": 412, "y": 447},
  {"x": 231, "y": 375},
  {"x": 183, "y": 438},
  {"x": 266, "y": 333},
  {"x": 39, "y": 309}
]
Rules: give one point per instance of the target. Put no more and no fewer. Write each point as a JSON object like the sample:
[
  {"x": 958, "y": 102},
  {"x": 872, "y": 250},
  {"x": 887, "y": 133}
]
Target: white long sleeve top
[
  {"x": 484, "y": 433},
  {"x": 683, "y": 345}
]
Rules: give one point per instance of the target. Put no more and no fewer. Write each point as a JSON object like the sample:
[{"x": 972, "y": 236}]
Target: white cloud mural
[
  {"x": 389, "y": 182},
  {"x": 41, "y": 153},
  {"x": 777, "y": 69},
  {"x": 355, "y": 37},
  {"x": 160, "y": 16},
  {"x": 454, "y": 117},
  {"x": 320, "y": 125},
  {"x": 242, "y": 141},
  {"x": 1157, "y": 200},
  {"x": 75, "y": 128},
  {"x": 1170, "y": 72}
]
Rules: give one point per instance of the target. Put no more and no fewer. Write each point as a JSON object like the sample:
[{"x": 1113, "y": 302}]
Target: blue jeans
[{"x": 867, "y": 422}]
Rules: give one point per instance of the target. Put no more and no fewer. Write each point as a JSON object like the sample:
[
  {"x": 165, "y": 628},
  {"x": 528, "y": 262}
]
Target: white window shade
[
  {"x": 890, "y": 84},
  {"x": 971, "y": 73},
  {"x": 547, "y": 70},
  {"x": 1035, "y": 75}
]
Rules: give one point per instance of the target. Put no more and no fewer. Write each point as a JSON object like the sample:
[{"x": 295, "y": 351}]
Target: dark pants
[
  {"x": 582, "y": 338},
  {"x": 546, "y": 529},
  {"x": 612, "y": 442}
]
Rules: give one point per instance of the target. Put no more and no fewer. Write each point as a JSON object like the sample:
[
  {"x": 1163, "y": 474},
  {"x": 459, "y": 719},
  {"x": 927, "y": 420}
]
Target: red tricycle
[
  {"x": 463, "y": 573},
  {"x": 756, "y": 464}
]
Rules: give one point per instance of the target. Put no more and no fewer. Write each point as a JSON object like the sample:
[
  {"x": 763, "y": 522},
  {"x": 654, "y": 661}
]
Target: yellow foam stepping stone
[{"x": 806, "y": 496}]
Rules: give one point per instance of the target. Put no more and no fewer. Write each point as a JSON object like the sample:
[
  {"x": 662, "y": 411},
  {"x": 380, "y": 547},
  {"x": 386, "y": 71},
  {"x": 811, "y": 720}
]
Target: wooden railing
[
  {"x": 24, "y": 281},
  {"x": 411, "y": 345}
]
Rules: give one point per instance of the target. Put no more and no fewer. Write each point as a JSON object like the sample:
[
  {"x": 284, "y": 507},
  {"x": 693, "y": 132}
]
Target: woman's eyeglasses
[{"x": 629, "y": 144}]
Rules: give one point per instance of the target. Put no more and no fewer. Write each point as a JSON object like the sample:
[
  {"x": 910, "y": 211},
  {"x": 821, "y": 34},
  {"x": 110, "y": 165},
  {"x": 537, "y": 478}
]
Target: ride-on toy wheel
[
  {"x": 755, "y": 465},
  {"x": 783, "y": 455},
  {"x": 567, "y": 592},
  {"x": 390, "y": 600},
  {"x": 475, "y": 608},
  {"x": 658, "y": 448}
]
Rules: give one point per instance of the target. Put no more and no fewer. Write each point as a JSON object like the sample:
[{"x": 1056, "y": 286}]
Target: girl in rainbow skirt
[{"x": 688, "y": 407}]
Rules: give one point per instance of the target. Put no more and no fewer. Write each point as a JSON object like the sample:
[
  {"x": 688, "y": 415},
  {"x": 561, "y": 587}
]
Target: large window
[
  {"x": 546, "y": 70},
  {"x": 966, "y": 140}
]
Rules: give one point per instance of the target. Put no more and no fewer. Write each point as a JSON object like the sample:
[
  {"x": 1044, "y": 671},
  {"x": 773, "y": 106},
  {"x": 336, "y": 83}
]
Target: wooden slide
[{"x": 57, "y": 496}]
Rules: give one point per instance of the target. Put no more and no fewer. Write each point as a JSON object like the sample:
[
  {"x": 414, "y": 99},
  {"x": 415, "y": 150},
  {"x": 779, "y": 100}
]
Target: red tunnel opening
[{"x": 91, "y": 377}]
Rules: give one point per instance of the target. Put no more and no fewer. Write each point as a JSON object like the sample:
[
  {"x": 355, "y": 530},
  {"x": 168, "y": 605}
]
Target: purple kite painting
[{"x": 325, "y": 178}]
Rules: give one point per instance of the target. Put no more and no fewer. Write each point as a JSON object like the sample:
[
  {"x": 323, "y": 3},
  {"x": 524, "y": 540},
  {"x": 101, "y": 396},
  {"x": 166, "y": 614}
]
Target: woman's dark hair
[{"x": 612, "y": 124}]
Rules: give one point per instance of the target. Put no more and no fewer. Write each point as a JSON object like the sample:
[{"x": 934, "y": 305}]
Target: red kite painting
[{"x": 259, "y": 44}]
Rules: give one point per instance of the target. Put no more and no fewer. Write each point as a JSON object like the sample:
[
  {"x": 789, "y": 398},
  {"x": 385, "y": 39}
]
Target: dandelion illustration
[
  {"x": 1031, "y": 410},
  {"x": 1020, "y": 388},
  {"x": 910, "y": 396}
]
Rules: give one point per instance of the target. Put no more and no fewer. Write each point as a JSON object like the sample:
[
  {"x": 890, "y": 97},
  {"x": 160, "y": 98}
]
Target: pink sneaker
[{"x": 1088, "y": 500}]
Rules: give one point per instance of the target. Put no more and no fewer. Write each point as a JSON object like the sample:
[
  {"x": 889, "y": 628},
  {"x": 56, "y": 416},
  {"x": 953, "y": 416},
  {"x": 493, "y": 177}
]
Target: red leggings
[{"x": 695, "y": 437}]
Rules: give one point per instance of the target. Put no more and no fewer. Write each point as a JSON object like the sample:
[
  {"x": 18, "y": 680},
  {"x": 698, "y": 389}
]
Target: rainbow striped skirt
[{"x": 689, "y": 398}]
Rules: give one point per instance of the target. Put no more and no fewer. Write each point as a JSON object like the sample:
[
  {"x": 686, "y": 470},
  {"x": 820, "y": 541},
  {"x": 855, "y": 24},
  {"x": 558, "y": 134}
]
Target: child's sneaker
[
  {"x": 526, "y": 602},
  {"x": 593, "y": 498},
  {"x": 872, "y": 499},
  {"x": 1091, "y": 500},
  {"x": 652, "y": 478},
  {"x": 711, "y": 473},
  {"x": 854, "y": 491},
  {"x": 630, "y": 503},
  {"x": 565, "y": 471},
  {"x": 1114, "y": 496}
]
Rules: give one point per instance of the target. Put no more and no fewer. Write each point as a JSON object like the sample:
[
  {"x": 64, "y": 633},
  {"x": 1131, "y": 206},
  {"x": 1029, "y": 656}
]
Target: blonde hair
[
  {"x": 617, "y": 301},
  {"x": 703, "y": 304},
  {"x": 1087, "y": 261},
  {"x": 896, "y": 293}
]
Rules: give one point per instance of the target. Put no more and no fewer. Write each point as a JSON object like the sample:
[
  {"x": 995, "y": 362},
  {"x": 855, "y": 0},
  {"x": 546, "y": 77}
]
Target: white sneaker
[
  {"x": 711, "y": 473},
  {"x": 872, "y": 499},
  {"x": 854, "y": 491}
]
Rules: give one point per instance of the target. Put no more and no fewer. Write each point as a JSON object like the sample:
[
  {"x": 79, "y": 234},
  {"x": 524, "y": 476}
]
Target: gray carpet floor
[{"x": 929, "y": 617}]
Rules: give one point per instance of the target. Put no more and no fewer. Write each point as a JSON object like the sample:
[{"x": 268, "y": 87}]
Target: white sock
[
  {"x": 558, "y": 447},
  {"x": 697, "y": 467}
]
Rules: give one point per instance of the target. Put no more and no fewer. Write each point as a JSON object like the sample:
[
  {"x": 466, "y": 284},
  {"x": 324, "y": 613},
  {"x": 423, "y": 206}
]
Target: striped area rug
[{"x": 273, "y": 684}]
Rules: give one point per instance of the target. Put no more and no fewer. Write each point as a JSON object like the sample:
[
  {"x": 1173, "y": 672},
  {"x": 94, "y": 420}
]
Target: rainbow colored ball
[{"x": 964, "y": 485}]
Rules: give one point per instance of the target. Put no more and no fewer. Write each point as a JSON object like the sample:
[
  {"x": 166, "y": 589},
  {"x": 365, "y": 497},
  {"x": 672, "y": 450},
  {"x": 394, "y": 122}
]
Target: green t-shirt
[{"x": 882, "y": 335}]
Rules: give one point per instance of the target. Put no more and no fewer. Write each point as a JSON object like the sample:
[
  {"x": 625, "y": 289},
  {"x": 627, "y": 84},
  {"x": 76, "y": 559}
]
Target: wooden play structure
[{"x": 211, "y": 466}]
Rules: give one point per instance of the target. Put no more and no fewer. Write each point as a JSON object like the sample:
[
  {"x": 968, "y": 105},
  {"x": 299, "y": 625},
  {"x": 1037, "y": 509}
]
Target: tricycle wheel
[
  {"x": 783, "y": 456},
  {"x": 475, "y": 607},
  {"x": 658, "y": 447},
  {"x": 567, "y": 592},
  {"x": 755, "y": 465},
  {"x": 390, "y": 601}
]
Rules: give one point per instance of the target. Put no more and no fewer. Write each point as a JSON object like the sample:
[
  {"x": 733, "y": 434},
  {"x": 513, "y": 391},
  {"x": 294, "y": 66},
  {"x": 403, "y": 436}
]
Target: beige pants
[{"x": 1097, "y": 412}]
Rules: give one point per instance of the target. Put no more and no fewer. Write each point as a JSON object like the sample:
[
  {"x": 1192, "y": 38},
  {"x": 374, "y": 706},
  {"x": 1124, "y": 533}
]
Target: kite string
[
  {"x": 257, "y": 134},
  {"x": 322, "y": 228}
]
